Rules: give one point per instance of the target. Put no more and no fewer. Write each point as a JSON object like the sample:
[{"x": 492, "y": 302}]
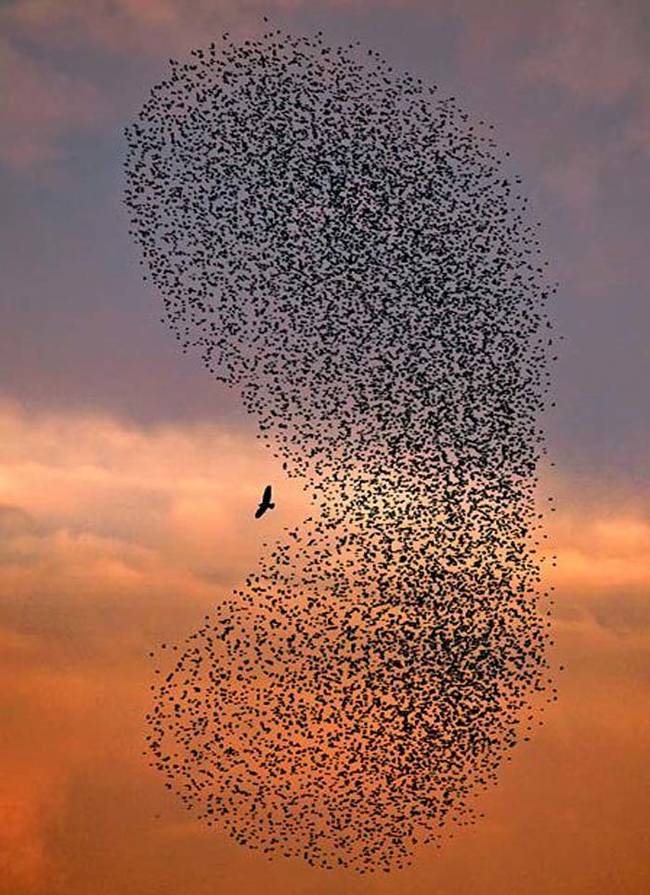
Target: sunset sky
[{"x": 128, "y": 476}]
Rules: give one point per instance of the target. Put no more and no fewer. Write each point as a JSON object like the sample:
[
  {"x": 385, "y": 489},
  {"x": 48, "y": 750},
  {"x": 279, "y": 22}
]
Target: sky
[{"x": 127, "y": 476}]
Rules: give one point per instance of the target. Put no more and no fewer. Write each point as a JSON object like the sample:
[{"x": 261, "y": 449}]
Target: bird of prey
[{"x": 265, "y": 504}]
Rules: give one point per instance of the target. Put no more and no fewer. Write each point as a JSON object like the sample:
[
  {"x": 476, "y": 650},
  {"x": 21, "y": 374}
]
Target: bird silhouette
[{"x": 265, "y": 504}]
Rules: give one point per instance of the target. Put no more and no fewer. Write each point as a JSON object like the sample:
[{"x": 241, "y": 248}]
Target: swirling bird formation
[{"x": 345, "y": 248}]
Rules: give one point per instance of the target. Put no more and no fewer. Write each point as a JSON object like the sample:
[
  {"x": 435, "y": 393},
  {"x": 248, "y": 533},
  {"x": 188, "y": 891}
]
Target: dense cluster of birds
[{"x": 347, "y": 249}]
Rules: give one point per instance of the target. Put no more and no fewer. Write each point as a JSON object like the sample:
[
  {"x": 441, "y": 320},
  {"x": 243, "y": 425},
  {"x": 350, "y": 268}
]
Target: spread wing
[
  {"x": 266, "y": 497},
  {"x": 260, "y": 511}
]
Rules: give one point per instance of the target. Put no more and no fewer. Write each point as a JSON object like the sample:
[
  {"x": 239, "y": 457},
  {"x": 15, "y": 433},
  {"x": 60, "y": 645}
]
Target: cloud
[
  {"x": 576, "y": 74},
  {"x": 128, "y": 26},
  {"x": 114, "y": 537},
  {"x": 107, "y": 526},
  {"x": 41, "y": 108},
  {"x": 591, "y": 53},
  {"x": 590, "y": 50},
  {"x": 596, "y": 53},
  {"x": 577, "y": 178},
  {"x": 31, "y": 800},
  {"x": 601, "y": 553},
  {"x": 601, "y": 543},
  {"x": 71, "y": 79},
  {"x": 593, "y": 50},
  {"x": 14, "y": 521}
]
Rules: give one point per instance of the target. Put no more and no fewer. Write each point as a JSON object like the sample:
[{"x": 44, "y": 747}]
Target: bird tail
[{"x": 271, "y": 506}]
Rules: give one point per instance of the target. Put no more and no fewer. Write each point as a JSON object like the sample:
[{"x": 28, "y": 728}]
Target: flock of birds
[{"x": 347, "y": 250}]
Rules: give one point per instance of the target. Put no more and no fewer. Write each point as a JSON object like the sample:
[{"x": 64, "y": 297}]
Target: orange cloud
[
  {"x": 113, "y": 538},
  {"x": 92, "y": 506},
  {"x": 97, "y": 515},
  {"x": 31, "y": 799}
]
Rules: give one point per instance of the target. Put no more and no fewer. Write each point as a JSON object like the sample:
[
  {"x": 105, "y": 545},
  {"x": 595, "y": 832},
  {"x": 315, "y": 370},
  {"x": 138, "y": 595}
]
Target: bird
[{"x": 265, "y": 504}]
